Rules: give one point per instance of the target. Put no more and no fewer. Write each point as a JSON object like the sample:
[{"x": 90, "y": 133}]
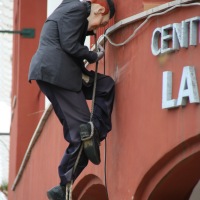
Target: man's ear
[{"x": 99, "y": 10}]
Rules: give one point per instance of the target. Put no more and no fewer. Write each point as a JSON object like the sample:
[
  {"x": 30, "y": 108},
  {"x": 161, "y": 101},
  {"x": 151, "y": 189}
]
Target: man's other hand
[{"x": 100, "y": 52}]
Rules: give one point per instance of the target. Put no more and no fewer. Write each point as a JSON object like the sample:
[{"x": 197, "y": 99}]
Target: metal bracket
[
  {"x": 4, "y": 134},
  {"x": 26, "y": 32}
]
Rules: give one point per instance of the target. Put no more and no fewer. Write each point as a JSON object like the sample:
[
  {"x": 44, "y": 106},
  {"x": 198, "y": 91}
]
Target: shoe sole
[
  {"x": 91, "y": 146},
  {"x": 91, "y": 149}
]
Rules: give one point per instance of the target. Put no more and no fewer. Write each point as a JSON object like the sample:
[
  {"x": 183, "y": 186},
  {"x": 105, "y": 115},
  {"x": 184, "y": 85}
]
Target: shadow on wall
[
  {"x": 175, "y": 175},
  {"x": 90, "y": 188}
]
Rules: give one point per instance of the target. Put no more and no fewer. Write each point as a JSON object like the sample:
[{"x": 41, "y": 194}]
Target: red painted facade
[{"x": 152, "y": 153}]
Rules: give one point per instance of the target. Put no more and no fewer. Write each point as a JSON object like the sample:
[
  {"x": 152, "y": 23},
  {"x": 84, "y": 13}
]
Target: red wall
[
  {"x": 151, "y": 152},
  {"x": 29, "y": 104},
  {"x": 143, "y": 133}
]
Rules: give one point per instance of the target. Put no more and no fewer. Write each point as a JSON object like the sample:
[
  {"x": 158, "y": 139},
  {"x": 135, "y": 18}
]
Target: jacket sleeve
[{"x": 71, "y": 27}]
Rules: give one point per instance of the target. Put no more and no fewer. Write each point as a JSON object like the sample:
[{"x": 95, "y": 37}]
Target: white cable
[{"x": 143, "y": 23}]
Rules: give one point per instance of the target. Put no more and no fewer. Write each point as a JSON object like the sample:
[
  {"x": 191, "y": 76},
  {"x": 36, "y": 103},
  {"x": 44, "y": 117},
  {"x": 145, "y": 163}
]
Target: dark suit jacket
[{"x": 61, "y": 51}]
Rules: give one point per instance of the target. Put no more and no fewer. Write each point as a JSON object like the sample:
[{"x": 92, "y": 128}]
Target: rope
[
  {"x": 95, "y": 83},
  {"x": 69, "y": 191},
  {"x": 69, "y": 186}
]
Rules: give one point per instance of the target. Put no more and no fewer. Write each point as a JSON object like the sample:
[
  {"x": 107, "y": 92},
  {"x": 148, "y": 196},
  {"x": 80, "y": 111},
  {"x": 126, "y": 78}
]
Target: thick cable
[
  {"x": 143, "y": 23},
  {"x": 69, "y": 188}
]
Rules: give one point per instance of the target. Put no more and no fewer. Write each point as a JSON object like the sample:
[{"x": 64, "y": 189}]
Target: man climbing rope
[{"x": 59, "y": 70}]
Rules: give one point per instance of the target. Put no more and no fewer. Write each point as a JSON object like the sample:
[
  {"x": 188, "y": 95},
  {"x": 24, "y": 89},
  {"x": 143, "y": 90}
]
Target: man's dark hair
[{"x": 111, "y": 7}]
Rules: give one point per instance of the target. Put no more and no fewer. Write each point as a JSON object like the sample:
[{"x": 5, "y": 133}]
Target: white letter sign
[
  {"x": 167, "y": 101},
  {"x": 188, "y": 89}
]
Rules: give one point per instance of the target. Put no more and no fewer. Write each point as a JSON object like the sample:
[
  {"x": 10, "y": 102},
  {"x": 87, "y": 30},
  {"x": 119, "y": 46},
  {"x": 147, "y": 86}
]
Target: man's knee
[{"x": 108, "y": 83}]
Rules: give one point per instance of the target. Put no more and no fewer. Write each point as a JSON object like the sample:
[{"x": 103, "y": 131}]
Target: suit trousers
[{"x": 72, "y": 110}]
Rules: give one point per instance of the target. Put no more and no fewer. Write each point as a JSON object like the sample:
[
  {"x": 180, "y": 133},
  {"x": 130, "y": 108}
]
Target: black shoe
[
  {"x": 57, "y": 193},
  {"x": 91, "y": 142}
]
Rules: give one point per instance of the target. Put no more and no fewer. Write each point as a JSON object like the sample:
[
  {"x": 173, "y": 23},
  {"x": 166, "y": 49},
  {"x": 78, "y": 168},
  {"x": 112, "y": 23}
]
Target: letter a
[{"x": 188, "y": 87}]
